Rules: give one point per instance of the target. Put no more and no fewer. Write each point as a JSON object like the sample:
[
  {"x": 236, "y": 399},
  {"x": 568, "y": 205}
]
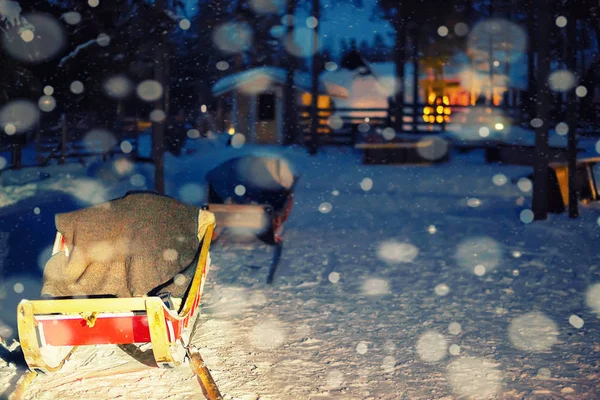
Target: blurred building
[{"x": 251, "y": 102}]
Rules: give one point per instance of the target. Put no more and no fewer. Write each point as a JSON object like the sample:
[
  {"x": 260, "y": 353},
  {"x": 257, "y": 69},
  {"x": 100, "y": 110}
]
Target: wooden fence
[
  {"x": 67, "y": 139},
  {"x": 344, "y": 126}
]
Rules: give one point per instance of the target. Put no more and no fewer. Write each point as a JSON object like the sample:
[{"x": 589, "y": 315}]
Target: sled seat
[
  {"x": 50, "y": 330},
  {"x": 243, "y": 219},
  {"x": 259, "y": 220}
]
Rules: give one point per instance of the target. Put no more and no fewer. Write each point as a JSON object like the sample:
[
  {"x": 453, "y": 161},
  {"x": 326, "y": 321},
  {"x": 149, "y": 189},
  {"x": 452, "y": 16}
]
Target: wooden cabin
[{"x": 252, "y": 102}]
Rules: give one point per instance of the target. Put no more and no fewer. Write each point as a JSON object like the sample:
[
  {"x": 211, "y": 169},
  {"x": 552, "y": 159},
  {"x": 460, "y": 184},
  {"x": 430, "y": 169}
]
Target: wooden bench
[
  {"x": 409, "y": 152},
  {"x": 516, "y": 154},
  {"x": 558, "y": 183},
  {"x": 586, "y": 187}
]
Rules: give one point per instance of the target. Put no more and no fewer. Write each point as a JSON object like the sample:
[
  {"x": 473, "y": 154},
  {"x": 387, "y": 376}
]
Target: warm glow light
[
  {"x": 432, "y": 97},
  {"x": 447, "y": 111},
  {"x": 446, "y": 100},
  {"x": 231, "y": 130},
  {"x": 426, "y": 118},
  {"x": 427, "y": 110},
  {"x": 439, "y": 119},
  {"x": 440, "y": 109},
  {"x": 499, "y": 126}
]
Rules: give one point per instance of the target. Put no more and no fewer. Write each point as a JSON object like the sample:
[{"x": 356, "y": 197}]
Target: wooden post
[
  {"x": 531, "y": 50},
  {"x": 572, "y": 118},
  {"x": 38, "y": 143},
  {"x": 16, "y": 150},
  {"x": 354, "y": 130},
  {"x": 63, "y": 139},
  {"x": 544, "y": 101},
  {"x": 253, "y": 118},
  {"x": 491, "y": 55},
  {"x": 415, "y": 60},
  {"x": 221, "y": 114},
  {"x": 314, "y": 110},
  {"x": 136, "y": 148},
  {"x": 399, "y": 59},
  {"x": 291, "y": 135},
  {"x": 158, "y": 128}
]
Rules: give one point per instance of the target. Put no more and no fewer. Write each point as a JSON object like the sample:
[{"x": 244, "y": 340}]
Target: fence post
[
  {"x": 16, "y": 153},
  {"x": 38, "y": 143},
  {"x": 63, "y": 139}
]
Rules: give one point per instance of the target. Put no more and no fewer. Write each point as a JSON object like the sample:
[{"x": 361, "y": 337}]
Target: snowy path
[
  {"x": 384, "y": 330},
  {"x": 404, "y": 291}
]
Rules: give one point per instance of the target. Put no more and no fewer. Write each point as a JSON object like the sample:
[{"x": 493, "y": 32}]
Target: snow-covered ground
[{"x": 395, "y": 283}]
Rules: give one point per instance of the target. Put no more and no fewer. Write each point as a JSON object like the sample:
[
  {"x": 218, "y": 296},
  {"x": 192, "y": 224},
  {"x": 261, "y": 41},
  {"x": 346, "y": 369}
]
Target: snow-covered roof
[
  {"x": 385, "y": 72},
  {"x": 260, "y": 79}
]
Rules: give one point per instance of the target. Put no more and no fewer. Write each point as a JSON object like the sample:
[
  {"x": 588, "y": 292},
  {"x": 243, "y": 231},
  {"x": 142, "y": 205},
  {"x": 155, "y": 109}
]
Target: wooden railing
[
  {"x": 343, "y": 126},
  {"x": 64, "y": 139}
]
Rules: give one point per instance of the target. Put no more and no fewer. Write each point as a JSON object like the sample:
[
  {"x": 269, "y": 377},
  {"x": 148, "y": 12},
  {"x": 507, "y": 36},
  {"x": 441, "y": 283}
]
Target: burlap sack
[{"x": 126, "y": 247}]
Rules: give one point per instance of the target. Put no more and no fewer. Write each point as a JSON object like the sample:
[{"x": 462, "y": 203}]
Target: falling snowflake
[
  {"x": 454, "y": 328},
  {"x": 432, "y": 346},
  {"x": 362, "y": 348},
  {"x": 150, "y": 90},
  {"x": 375, "y": 287},
  {"x": 533, "y": 331},
  {"x": 325, "y": 207},
  {"x": 334, "y": 277},
  {"x": 366, "y": 184},
  {"x": 395, "y": 252},
  {"x": 475, "y": 378}
]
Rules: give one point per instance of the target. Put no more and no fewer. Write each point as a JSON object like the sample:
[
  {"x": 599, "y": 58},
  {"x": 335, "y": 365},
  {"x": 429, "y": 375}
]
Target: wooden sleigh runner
[{"x": 51, "y": 330}]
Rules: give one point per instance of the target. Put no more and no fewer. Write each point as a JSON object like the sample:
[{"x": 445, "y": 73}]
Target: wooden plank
[
  {"x": 580, "y": 161},
  {"x": 29, "y": 341},
  {"x": 241, "y": 220},
  {"x": 201, "y": 268},
  {"x": 28, "y": 336},
  {"x": 240, "y": 215},
  {"x": 158, "y": 332},
  {"x": 405, "y": 145},
  {"x": 238, "y": 208},
  {"x": 76, "y": 306},
  {"x": 111, "y": 330}
]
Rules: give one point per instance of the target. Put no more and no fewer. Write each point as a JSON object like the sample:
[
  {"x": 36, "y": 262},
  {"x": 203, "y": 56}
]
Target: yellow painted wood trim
[
  {"x": 207, "y": 219},
  {"x": 29, "y": 342},
  {"x": 27, "y": 335},
  {"x": 158, "y": 331},
  {"x": 76, "y": 306}
]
